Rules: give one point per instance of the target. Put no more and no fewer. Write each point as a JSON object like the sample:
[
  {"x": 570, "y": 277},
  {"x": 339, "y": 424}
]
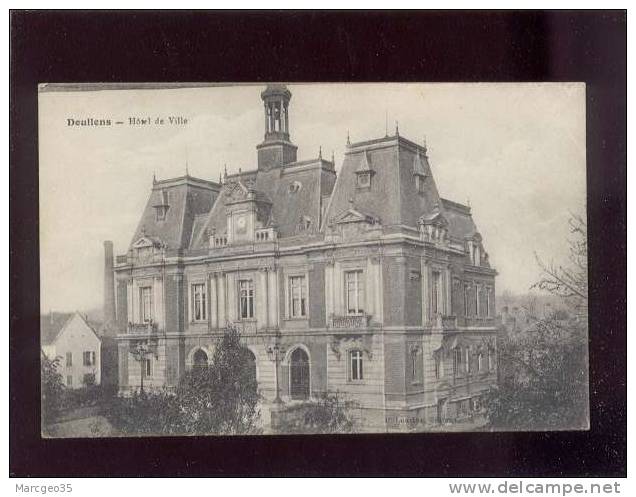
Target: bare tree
[
  {"x": 568, "y": 281},
  {"x": 543, "y": 375}
]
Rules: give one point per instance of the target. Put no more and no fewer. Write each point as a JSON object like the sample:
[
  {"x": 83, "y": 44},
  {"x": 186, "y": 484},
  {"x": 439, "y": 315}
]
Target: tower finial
[
  {"x": 220, "y": 178},
  {"x": 425, "y": 148},
  {"x": 348, "y": 139},
  {"x": 397, "y": 129},
  {"x": 225, "y": 173},
  {"x": 333, "y": 158},
  {"x": 320, "y": 152},
  {"x": 154, "y": 177}
]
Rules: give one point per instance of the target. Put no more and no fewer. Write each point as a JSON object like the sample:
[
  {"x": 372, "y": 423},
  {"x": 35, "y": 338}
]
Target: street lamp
[
  {"x": 273, "y": 353},
  {"x": 140, "y": 353}
]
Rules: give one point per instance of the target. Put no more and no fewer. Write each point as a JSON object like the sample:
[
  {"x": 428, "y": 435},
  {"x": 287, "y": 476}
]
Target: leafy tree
[
  {"x": 221, "y": 398},
  {"x": 543, "y": 382},
  {"x": 52, "y": 388}
]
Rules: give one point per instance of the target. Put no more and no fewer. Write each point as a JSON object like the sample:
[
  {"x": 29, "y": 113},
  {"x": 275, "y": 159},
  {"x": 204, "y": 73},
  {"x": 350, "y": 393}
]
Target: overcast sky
[{"x": 515, "y": 151}]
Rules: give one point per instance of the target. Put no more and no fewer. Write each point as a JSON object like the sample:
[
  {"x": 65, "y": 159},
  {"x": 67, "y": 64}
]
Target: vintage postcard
[{"x": 312, "y": 258}]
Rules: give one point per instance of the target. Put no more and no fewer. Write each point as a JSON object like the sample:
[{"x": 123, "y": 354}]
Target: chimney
[{"x": 109, "y": 285}]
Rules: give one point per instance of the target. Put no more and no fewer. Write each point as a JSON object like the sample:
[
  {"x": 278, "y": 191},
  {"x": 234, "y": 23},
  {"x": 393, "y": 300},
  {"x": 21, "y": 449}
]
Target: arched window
[
  {"x": 299, "y": 375},
  {"x": 355, "y": 365},
  {"x": 200, "y": 359}
]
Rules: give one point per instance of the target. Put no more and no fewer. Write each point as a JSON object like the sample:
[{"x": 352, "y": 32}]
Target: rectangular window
[
  {"x": 466, "y": 300},
  {"x": 415, "y": 360},
  {"x": 89, "y": 379},
  {"x": 356, "y": 365},
  {"x": 488, "y": 302},
  {"x": 69, "y": 359},
  {"x": 297, "y": 297},
  {"x": 490, "y": 360},
  {"x": 148, "y": 367},
  {"x": 467, "y": 363},
  {"x": 69, "y": 381},
  {"x": 435, "y": 290},
  {"x": 246, "y": 299},
  {"x": 477, "y": 292},
  {"x": 199, "y": 302},
  {"x": 89, "y": 358},
  {"x": 354, "y": 287},
  {"x": 145, "y": 304},
  {"x": 439, "y": 365},
  {"x": 457, "y": 366}
]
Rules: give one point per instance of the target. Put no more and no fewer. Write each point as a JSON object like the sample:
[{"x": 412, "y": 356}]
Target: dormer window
[
  {"x": 295, "y": 187},
  {"x": 161, "y": 209},
  {"x": 304, "y": 223},
  {"x": 364, "y": 173},
  {"x": 420, "y": 167},
  {"x": 364, "y": 180},
  {"x": 420, "y": 181}
]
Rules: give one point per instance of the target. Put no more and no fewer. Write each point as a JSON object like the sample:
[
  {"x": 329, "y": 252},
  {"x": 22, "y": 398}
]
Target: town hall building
[{"x": 364, "y": 282}]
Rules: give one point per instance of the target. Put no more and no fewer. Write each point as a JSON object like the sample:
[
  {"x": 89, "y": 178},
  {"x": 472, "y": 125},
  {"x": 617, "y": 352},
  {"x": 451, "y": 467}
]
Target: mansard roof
[
  {"x": 393, "y": 197},
  {"x": 460, "y": 220},
  {"x": 295, "y": 191},
  {"x": 187, "y": 197}
]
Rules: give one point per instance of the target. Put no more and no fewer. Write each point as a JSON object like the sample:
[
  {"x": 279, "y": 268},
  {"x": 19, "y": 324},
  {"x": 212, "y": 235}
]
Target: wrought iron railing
[
  {"x": 142, "y": 328},
  {"x": 350, "y": 321}
]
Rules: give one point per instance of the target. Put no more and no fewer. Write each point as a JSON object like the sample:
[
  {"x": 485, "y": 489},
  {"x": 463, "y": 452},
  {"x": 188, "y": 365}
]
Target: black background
[{"x": 160, "y": 46}]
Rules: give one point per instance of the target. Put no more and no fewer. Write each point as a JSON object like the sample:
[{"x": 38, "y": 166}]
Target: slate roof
[
  {"x": 188, "y": 197},
  {"x": 51, "y": 324},
  {"x": 393, "y": 197},
  {"x": 288, "y": 205},
  {"x": 460, "y": 221}
]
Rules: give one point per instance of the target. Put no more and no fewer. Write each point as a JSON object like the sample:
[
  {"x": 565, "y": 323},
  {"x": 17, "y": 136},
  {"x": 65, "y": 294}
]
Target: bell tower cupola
[{"x": 276, "y": 149}]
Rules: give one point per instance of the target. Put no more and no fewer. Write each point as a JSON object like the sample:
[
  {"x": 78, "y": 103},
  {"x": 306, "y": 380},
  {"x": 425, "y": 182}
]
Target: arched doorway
[
  {"x": 200, "y": 359},
  {"x": 299, "y": 375}
]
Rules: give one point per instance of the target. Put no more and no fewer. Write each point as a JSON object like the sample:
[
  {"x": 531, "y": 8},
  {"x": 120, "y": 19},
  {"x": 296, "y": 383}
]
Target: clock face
[{"x": 241, "y": 223}]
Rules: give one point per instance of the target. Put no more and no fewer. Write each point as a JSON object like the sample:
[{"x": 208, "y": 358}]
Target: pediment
[
  {"x": 354, "y": 216},
  {"x": 436, "y": 218},
  {"x": 146, "y": 241}
]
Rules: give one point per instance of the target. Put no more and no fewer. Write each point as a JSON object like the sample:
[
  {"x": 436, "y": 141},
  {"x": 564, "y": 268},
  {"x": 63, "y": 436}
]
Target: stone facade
[{"x": 367, "y": 282}]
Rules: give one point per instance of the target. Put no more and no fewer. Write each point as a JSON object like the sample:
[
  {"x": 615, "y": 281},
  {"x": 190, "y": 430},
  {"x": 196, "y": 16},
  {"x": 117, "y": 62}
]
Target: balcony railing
[
  {"x": 265, "y": 235},
  {"x": 350, "y": 321},
  {"x": 142, "y": 328},
  {"x": 245, "y": 326}
]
